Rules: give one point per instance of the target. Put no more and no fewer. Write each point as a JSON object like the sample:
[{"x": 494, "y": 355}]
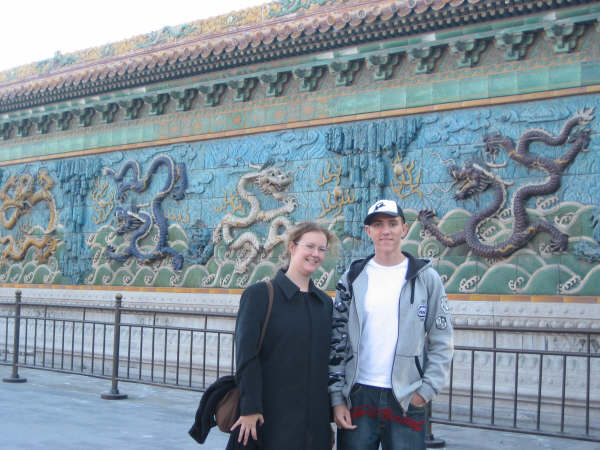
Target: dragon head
[
  {"x": 127, "y": 220},
  {"x": 494, "y": 142},
  {"x": 273, "y": 181},
  {"x": 472, "y": 180},
  {"x": 580, "y": 137}
]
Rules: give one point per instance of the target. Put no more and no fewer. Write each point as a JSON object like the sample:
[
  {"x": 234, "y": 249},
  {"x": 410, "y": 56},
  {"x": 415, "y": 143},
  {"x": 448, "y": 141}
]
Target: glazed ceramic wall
[{"x": 504, "y": 199}]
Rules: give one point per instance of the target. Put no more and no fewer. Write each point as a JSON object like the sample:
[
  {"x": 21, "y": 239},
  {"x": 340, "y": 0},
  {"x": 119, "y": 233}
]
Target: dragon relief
[
  {"x": 273, "y": 182},
  {"x": 475, "y": 179},
  {"x": 138, "y": 222},
  {"x": 18, "y": 197}
]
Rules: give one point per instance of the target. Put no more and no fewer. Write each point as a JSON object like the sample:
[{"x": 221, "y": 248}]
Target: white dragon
[{"x": 271, "y": 181}]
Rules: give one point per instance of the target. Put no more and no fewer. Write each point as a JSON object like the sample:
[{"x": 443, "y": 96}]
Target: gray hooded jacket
[{"x": 424, "y": 347}]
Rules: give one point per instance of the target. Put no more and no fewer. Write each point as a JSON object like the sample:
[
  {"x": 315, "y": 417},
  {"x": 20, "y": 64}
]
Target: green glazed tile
[
  {"x": 532, "y": 81},
  {"x": 446, "y": 91},
  {"x": 419, "y": 95},
  {"x": 565, "y": 76},
  {"x": 393, "y": 98},
  {"x": 590, "y": 73},
  {"x": 503, "y": 84},
  {"x": 147, "y": 132},
  {"x": 473, "y": 88}
]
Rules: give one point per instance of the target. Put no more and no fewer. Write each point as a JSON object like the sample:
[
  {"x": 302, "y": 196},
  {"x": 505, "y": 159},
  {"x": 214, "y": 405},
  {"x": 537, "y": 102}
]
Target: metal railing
[
  {"x": 528, "y": 380},
  {"x": 135, "y": 345}
]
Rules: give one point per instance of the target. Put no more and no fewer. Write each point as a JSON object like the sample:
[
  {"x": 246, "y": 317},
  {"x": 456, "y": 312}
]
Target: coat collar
[{"x": 289, "y": 288}]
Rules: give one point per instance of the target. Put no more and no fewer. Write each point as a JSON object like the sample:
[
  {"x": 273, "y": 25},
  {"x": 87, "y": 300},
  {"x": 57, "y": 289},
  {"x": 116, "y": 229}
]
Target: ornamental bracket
[
  {"x": 345, "y": 71},
  {"x": 85, "y": 116},
  {"x": 5, "y": 130},
  {"x": 212, "y": 93},
  {"x": 43, "y": 123},
  {"x": 185, "y": 98},
  {"x": 564, "y": 36},
  {"x": 274, "y": 82},
  {"x": 243, "y": 88},
  {"x": 469, "y": 52},
  {"x": 158, "y": 103},
  {"x": 309, "y": 77},
  {"x": 63, "y": 120},
  {"x": 383, "y": 65},
  {"x": 132, "y": 108},
  {"x": 108, "y": 111},
  {"x": 515, "y": 45},
  {"x": 23, "y": 127},
  {"x": 425, "y": 58}
]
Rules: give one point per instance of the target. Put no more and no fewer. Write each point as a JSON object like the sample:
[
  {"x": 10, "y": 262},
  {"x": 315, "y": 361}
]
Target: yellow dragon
[{"x": 20, "y": 204}]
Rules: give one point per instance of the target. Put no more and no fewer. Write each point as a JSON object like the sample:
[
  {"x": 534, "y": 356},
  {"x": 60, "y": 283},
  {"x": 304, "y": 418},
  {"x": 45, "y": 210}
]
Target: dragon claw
[
  {"x": 426, "y": 214},
  {"x": 585, "y": 115},
  {"x": 559, "y": 243}
]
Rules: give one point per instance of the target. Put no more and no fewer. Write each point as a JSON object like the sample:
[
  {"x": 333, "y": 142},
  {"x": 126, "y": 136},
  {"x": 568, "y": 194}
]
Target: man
[{"x": 391, "y": 344}]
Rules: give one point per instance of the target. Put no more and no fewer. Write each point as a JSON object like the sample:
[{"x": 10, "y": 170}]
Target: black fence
[
  {"x": 535, "y": 381},
  {"x": 119, "y": 343},
  {"x": 542, "y": 381}
]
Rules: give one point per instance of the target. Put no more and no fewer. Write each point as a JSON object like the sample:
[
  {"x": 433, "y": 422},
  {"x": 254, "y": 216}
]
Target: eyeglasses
[{"x": 312, "y": 247}]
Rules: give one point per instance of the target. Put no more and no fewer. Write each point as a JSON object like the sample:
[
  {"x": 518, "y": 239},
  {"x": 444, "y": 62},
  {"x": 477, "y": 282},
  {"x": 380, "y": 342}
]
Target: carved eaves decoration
[
  {"x": 314, "y": 31},
  {"x": 421, "y": 58}
]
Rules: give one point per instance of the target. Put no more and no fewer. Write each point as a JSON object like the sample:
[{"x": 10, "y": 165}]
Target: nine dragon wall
[{"x": 212, "y": 214}]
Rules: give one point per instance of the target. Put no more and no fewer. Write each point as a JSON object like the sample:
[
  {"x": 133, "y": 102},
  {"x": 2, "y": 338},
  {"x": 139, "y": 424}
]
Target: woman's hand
[{"x": 247, "y": 426}]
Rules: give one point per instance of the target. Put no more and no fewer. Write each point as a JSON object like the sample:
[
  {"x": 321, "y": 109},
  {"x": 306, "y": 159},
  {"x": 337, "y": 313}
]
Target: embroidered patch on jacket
[
  {"x": 441, "y": 323},
  {"x": 422, "y": 311},
  {"x": 444, "y": 305}
]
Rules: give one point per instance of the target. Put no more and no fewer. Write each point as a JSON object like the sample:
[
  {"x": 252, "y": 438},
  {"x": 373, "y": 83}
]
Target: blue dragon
[
  {"x": 140, "y": 222},
  {"x": 586, "y": 251}
]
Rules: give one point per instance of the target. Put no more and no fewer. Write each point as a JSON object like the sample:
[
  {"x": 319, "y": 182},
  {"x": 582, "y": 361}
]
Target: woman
[{"x": 283, "y": 392}]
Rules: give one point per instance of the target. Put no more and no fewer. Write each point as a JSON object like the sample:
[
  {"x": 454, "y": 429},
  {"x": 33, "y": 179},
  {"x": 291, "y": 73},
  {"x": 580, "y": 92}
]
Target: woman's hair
[{"x": 300, "y": 229}]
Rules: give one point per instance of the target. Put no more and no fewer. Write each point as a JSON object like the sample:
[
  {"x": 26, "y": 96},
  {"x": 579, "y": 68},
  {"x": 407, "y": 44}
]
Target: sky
[{"x": 34, "y": 30}]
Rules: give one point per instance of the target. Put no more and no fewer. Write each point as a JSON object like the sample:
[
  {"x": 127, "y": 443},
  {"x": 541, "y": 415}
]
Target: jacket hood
[{"x": 415, "y": 265}]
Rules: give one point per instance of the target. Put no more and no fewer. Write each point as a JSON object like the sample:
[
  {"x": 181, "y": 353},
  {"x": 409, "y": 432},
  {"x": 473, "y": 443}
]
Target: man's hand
[
  {"x": 417, "y": 400},
  {"x": 342, "y": 417},
  {"x": 247, "y": 426}
]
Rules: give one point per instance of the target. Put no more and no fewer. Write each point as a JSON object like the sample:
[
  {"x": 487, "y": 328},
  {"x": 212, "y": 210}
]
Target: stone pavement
[{"x": 60, "y": 411}]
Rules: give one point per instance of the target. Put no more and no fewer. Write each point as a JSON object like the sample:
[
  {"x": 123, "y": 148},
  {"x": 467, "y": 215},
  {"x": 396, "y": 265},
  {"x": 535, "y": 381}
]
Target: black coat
[
  {"x": 205, "y": 414},
  {"x": 287, "y": 383}
]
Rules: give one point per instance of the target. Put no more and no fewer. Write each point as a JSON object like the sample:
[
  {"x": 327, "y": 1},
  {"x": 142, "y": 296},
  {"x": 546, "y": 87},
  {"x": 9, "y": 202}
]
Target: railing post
[
  {"x": 430, "y": 441},
  {"x": 14, "y": 377},
  {"x": 114, "y": 391}
]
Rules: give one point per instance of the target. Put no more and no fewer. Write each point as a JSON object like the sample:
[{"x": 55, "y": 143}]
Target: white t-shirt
[{"x": 380, "y": 323}]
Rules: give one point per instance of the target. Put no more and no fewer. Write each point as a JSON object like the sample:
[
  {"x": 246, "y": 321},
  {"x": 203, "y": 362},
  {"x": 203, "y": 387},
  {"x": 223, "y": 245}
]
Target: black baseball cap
[{"x": 387, "y": 207}]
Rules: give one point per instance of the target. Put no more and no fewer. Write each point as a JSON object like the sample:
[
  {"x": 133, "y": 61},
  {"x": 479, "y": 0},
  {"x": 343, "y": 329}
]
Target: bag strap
[
  {"x": 267, "y": 315},
  {"x": 264, "y": 328}
]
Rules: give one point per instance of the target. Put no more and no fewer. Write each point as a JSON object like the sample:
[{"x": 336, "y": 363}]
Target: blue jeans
[{"x": 381, "y": 420}]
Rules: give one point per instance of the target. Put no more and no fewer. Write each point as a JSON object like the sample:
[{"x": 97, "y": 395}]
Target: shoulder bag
[{"x": 227, "y": 411}]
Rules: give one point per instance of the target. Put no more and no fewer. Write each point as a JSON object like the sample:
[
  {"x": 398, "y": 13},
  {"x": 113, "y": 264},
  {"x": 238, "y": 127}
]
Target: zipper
[
  {"x": 412, "y": 294},
  {"x": 396, "y": 349},
  {"x": 356, "y": 357}
]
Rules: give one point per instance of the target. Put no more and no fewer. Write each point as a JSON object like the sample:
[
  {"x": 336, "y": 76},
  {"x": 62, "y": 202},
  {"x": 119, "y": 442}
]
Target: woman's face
[{"x": 307, "y": 252}]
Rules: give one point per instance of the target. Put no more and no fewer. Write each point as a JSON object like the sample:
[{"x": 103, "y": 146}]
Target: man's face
[{"x": 387, "y": 233}]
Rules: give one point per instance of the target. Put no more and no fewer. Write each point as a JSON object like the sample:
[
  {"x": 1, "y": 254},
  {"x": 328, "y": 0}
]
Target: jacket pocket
[
  {"x": 418, "y": 364},
  {"x": 406, "y": 370}
]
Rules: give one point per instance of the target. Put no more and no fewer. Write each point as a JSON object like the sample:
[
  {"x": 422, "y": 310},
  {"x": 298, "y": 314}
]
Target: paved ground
[{"x": 59, "y": 411}]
